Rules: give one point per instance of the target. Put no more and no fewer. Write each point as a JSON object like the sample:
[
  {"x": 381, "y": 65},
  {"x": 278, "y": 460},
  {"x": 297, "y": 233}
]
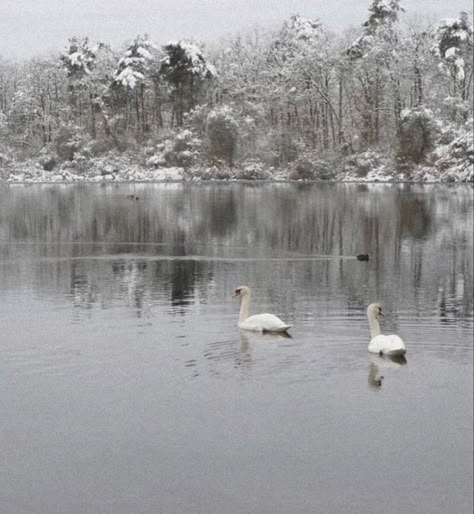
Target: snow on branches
[
  {"x": 186, "y": 58},
  {"x": 297, "y": 36},
  {"x": 454, "y": 45},
  {"x": 378, "y": 27},
  {"x": 79, "y": 57},
  {"x": 132, "y": 67}
]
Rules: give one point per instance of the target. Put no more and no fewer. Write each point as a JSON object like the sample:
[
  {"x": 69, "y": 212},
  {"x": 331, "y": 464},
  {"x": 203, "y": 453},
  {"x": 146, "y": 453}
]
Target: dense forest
[{"x": 392, "y": 99}]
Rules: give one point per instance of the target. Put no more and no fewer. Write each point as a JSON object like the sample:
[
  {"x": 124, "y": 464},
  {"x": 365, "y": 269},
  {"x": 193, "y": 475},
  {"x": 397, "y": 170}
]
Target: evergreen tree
[{"x": 185, "y": 68}]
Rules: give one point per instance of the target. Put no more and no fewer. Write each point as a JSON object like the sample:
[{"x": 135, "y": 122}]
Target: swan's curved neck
[
  {"x": 244, "y": 307},
  {"x": 374, "y": 325}
]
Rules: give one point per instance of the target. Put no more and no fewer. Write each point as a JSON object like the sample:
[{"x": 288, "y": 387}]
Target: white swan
[
  {"x": 258, "y": 322},
  {"x": 381, "y": 344}
]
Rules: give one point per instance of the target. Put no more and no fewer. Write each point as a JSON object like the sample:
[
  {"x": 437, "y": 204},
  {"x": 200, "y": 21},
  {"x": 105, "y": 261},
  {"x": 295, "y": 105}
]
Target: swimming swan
[
  {"x": 259, "y": 322},
  {"x": 381, "y": 344}
]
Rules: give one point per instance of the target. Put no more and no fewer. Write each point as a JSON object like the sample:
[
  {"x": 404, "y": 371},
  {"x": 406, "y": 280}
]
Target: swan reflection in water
[
  {"x": 245, "y": 354},
  {"x": 374, "y": 379},
  {"x": 247, "y": 338},
  {"x": 378, "y": 363}
]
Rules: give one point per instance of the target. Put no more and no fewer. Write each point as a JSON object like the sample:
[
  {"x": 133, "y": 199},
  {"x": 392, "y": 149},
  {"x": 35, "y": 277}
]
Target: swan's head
[
  {"x": 375, "y": 310},
  {"x": 241, "y": 291}
]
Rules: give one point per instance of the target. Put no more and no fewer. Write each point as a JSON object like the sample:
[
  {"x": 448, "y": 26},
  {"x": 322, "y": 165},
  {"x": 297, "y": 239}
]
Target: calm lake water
[{"x": 127, "y": 388}]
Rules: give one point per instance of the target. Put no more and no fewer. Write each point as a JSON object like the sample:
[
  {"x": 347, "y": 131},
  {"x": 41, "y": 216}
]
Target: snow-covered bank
[
  {"x": 449, "y": 163},
  {"x": 421, "y": 174},
  {"x": 450, "y": 158}
]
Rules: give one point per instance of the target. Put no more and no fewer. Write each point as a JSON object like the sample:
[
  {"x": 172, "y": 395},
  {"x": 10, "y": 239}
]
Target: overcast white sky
[{"x": 35, "y": 27}]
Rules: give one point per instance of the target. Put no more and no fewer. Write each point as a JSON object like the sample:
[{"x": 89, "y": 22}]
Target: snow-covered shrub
[
  {"x": 455, "y": 109},
  {"x": 155, "y": 156},
  {"x": 447, "y": 132},
  {"x": 46, "y": 160},
  {"x": 185, "y": 150},
  {"x": 284, "y": 147},
  {"x": 324, "y": 170},
  {"x": 303, "y": 170},
  {"x": 215, "y": 172},
  {"x": 4, "y": 160},
  {"x": 455, "y": 160},
  {"x": 359, "y": 165},
  {"x": 309, "y": 168},
  {"x": 96, "y": 147},
  {"x": 157, "y": 160},
  {"x": 253, "y": 170},
  {"x": 5, "y": 164},
  {"x": 417, "y": 134},
  {"x": 182, "y": 149},
  {"x": 68, "y": 141},
  {"x": 3, "y": 127},
  {"x": 222, "y": 131},
  {"x": 196, "y": 119}
]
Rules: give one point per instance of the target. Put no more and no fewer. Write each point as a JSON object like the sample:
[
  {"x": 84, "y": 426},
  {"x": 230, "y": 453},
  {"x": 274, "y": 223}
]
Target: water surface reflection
[
  {"x": 418, "y": 238},
  {"x": 126, "y": 385}
]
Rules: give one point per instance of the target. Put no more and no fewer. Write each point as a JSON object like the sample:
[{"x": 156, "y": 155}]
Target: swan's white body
[
  {"x": 379, "y": 343},
  {"x": 258, "y": 322},
  {"x": 264, "y": 323}
]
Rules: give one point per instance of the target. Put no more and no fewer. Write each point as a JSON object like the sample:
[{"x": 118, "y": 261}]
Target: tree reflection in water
[{"x": 97, "y": 243}]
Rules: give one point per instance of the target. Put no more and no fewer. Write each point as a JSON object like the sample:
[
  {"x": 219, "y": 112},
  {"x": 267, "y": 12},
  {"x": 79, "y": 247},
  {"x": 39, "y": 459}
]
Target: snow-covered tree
[
  {"x": 79, "y": 57},
  {"x": 296, "y": 37},
  {"x": 378, "y": 28},
  {"x": 88, "y": 67},
  {"x": 287, "y": 96},
  {"x": 304, "y": 69},
  {"x": 454, "y": 47},
  {"x": 417, "y": 66},
  {"x": 375, "y": 53},
  {"x": 24, "y": 114},
  {"x": 136, "y": 63},
  {"x": 186, "y": 69},
  {"x": 417, "y": 134},
  {"x": 8, "y": 74},
  {"x": 134, "y": 82}
]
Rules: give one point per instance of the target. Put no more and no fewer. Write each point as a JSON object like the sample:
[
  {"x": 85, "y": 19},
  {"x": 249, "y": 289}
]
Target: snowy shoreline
[
  {"x": 421, "y": 175},
  {"x": 446, "y": 163}
]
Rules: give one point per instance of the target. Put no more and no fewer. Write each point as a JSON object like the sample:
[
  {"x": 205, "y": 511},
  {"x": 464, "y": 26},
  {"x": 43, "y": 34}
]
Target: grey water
[{"x": 126, "y": 386}]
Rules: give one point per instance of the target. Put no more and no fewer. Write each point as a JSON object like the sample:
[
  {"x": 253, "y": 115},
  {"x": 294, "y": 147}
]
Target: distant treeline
[{"x": 277, "y": 96}]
